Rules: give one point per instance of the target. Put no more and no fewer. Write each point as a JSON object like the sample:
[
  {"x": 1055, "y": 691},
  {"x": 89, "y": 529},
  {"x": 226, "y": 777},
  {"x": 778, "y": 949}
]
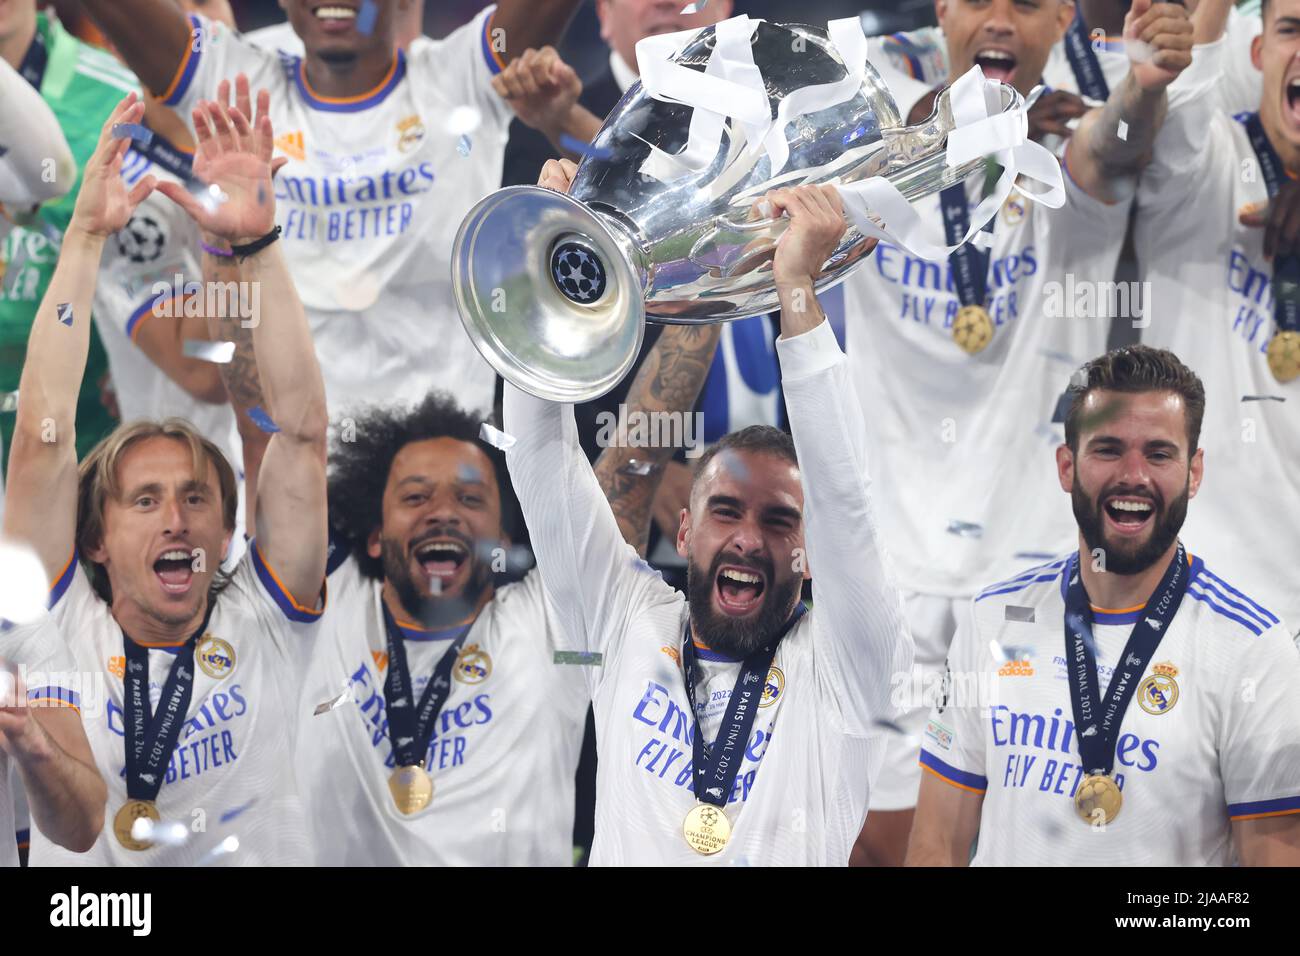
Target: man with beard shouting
[
  {"x": 690, "y": 687},
  {"x": 1163, "y": 728}
]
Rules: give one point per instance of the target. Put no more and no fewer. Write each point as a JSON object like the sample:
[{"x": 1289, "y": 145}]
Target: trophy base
[{"x": 547, "y": 295}]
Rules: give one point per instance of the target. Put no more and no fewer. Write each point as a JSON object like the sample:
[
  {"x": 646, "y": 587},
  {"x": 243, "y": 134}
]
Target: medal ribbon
[
  {"x": 34, "y": 62},
  {"x": 969, "y": 263},
  {"x": 151, "y": 738},
  {"x": 715, "y": 772},
  {"x": 410, "y": 728},
  {"x": 166, "y": 155},
  {"x": 1286, "y": 269},
  {"x": 1084, "y": 64},
  {"x": 1097, "y": 720}
]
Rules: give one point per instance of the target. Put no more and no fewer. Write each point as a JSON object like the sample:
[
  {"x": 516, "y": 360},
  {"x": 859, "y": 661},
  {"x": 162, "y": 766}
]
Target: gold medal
[
  {"x": 1098, "y": 799},
  {"x": 1284, "y": 356},
  {"x": 131, "y": 811},
  {"x": 412, "y": 788},
  {"x": 706, "y": 829},
  {"x": 973, "y": 328}
]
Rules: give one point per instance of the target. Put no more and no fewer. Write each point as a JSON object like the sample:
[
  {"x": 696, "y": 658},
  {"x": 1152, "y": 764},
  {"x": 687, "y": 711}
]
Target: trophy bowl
[{"x": 554, "y": 290}]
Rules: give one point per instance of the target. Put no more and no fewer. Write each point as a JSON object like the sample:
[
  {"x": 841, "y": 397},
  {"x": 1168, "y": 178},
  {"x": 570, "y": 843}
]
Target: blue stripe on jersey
[
  {"x": 495, "y": 63},
  {"x": 1208, "y": 587},
  {"x": 1107, "y": 617},
  {"x": 1260, "y": 611},
  {"x": 1264, "y": 808},
  {"x": 1201, "y": 596},
  {"x": 1031, "y": 573},
  {"x": 291, "y": 608},
  {"x": 1044, "y": 572},
  {"x": 351, "y": 104},
  {"x": 53, "y": 692},
  {"x": 189, "y": 65},
  {"x": 1018, "y": 587},
  {"x": 24, "y": 838},
  {"x": 340, "y": 548},
  {"x": 968, "y": 781},
  {"x": 62, "y": 582},
  {"x": 902, "y": 44},
  {"x": 141, "y": 312}
]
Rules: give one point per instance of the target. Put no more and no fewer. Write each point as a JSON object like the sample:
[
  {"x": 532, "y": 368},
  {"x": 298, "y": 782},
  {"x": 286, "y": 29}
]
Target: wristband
[
  {"x": 212, "y": 250},
  {"x": 256, "y": 245}
]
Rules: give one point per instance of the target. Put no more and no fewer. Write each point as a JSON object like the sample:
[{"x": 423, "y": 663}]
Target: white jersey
[
  {"x": 800, "y": 796},
  {"x": 504, "y": 750},
  {"x": 1212, "y": 305},
  {"x": 1209, "y": 736},
  {"x": 963, "y": 444},
  {"x": 36, "y": 650},
  {"x": 370, "y": 201},
  {"x": 231, "y": 774},
  {"x": 278, "y": 36},
  {"x": 914, "y": 62},
  {"x": 145, "y": 268}
]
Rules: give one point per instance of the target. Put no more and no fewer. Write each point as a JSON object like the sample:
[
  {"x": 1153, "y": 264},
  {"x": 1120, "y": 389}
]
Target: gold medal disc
[
  {"x": 1284, "y": 356},
  {"x": 412, "y": 788},
  {"x": 706, "y": 829},
  {"x": 973, "y": 328},
  {"x": 131, "y": 811},
  {"x": 1098, "y": 799}
]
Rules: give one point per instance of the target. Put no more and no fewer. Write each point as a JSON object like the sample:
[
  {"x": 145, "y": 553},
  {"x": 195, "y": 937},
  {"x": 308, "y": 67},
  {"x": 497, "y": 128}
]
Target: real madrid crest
[
  {"x": 1159, "y": 692},
  {"x": 473, "y": 665},
  {"x": 773, "y": 687},
  {"x": 216, "y": 657},
  {"x": 410, "y": 133},
  {"x": 1013, "y": 210}
]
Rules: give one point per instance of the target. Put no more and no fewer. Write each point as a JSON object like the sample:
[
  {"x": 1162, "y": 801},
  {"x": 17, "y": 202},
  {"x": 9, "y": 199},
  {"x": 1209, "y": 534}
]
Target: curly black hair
[{"x": 363, "y": 446}]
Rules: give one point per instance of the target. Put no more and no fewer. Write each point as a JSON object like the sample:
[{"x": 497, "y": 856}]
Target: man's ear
[
  {"x": 1256, "y": 47},
  {"x": 1065, "y": 468},
  {"x": 373, "y": 546},
  {"x": 684, "y": 535},
  {"x": 225, "y": 545},
  {"x": 97, "y": 553},
  {"x": 1197, "y": 473}
]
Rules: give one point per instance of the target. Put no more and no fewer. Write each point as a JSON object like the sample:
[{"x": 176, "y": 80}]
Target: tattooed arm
[{"x": 669, "y": 380}]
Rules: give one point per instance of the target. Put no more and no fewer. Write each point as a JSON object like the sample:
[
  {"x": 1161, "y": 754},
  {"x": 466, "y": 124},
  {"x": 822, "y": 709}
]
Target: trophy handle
[{"x": 913, "y": 158}]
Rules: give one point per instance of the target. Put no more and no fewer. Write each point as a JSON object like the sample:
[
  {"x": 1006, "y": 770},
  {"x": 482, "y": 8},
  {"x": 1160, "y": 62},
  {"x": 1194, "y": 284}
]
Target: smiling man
[
  {"x": 387, "y": 150},
  {"x": 691, "y": 687},
  {"x": 1164, "y": 729}
]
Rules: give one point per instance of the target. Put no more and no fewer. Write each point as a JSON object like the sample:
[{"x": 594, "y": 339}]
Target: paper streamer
[
  {"x": 262, "y": 420},
  {"x": 141, "y": 134},
  {"x": 495, "y": 437},
  {"x": 219, "y": 353},
  {"x": 575, "y": 145}
]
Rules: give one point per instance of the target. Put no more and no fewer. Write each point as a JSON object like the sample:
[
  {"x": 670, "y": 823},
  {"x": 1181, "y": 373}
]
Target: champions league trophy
[{"x": 554, "y": 290}]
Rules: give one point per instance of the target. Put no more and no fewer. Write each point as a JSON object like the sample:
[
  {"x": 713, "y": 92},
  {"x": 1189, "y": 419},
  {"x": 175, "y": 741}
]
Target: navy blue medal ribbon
[
  {"x": 1286, "y": 269},
  {"x": 410, "y": 727},
  {"x": 1096, "y": 719},
  {"x": 969, "y": 264},
  {"x": 151, "y": 737},
  {"x": 1088, "y": 74},
  {"x": 716, "y": 770},
  {"x": 34, "y": 62}
]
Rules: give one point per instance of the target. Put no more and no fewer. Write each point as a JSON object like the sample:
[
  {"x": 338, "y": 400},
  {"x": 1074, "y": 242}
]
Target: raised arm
[
  {"x": 151, "y": 35},
  {"x": 35, "y": 162},
  {"x": 531, "y": 23},
  {"x": 41, "y": 489},
  {"x": 1114, "y": 142},
  {"x": 946, "y": 822},
  {"x": 858, "y": 610},
  {"x": 291, "y": 512}
]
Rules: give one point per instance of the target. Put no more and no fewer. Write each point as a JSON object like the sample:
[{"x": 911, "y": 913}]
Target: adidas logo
[{"x": 292, "y": 145}]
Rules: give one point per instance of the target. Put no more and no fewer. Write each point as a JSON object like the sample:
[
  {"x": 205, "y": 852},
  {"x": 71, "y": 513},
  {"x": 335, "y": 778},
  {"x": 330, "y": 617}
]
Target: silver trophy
[{"x": 554, "y": 290}]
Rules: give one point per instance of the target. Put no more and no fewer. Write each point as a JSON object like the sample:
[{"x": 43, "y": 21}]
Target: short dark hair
[
  {"x": 755, "y": 438},
  {"x": 1137, "y": 368},
  {"x": 359, "y": 466}
]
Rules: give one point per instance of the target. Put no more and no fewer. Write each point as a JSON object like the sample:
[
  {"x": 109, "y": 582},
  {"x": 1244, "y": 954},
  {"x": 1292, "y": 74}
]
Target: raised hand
[
  {"x": 234, "y": 156},
  {"x": 557, "y": 174},
  {"x": 1053, "y": 111},
  {"x": 541, "y": 88},
  {"x": 816, "y": 227},
  {"x": 104, "y": 204},
  {"x": 1167, "y": 33}
]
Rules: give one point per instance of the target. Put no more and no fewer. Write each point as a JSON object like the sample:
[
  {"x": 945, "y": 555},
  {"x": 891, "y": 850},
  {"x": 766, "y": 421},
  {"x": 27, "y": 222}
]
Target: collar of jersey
[
  {"x": 352, "y": 104},
  {"x": 704, "y": 654},
  {"x": 414, "y": 632},
  {"x": 1125, "y": 615}
]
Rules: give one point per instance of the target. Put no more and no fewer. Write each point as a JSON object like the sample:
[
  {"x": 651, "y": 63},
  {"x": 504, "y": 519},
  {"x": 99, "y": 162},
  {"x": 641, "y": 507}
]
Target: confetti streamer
[
  {"x": 1010, "y": 655},
  {"x": 495, "y": 437},
  {"x": 237, "y": 811},
  {"x": 462, "y": 120},
  {"x": 463, "y": 145},
  {"x": 1244, "y": 398},
  {"x": 1014, "y": 612},
  {"x": 64, "y": 312},
  {"x": 219, "y": 353},
  {"x": 8, "y": 401},
  {"x": 641, "y": 468},
  {"x": 262, "y": 420},
  {"x": 591, "y": 658},
  {"x": 1033, "y": 556},
  {"x": 965, "y": 529},
  {"x": 333, "y": 703},
  {"x": 141, "y": 134},
  {"x": 693, "y": 8},
  {"x": 23, "y": 584},
  {"x": 366, "y": 18},
  {"x": 227, "y": 846},
  {"x": 575, "y": 145},
  {"x": 1122, "y": 131}
]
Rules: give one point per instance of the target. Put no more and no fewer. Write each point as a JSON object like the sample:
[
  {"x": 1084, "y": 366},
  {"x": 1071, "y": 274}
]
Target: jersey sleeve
[
  {"x": 139, "y": 269},
  {"x": 595, "y": 582},
  {"x": 1194, "y": 132},
  {"x": 36, "y": 163},
  {"x": 1259, "y": 742},
  {"x": 954, "y": 742},
  {"x": 858, "y": 621},
  {"x": 289, "y": 626},
  {"x": 37, "y": 649},
  {"x": 458, "y": 69},
  {"x": 215, "y": 53}
]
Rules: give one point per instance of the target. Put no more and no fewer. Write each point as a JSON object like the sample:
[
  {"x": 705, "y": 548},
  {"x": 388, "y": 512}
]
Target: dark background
[{"x": 585, "y": 51}]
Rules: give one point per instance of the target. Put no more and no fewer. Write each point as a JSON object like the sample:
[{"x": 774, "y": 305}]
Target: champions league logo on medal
[
  {"x": 216, "y": 657},
  {"x": 1159, "y": 692},
  {"x": 773, "y": 687},
  {"x": 473, "y": 665}
]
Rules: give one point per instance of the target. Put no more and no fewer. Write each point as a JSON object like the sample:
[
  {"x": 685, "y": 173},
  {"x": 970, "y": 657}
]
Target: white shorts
[{"x": 932, "y": 620}]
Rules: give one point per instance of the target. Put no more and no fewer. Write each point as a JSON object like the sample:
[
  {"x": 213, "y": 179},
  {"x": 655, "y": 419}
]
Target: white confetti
[
  {"x": 463, "y": 145},
  {"x": 693, "y": 8},
  {"x": 227, "y": 846},
  {"x": 1122, "y": 131},
  {"x": 219, "y": 353},
  {"x": 327, "y": 706},
  {"x": 965, "y": 529},
  {"x": 463, "y": 120},
  {"x": 495, "y": 437},
  {"x": 7, "y": 687},
  {"x": 636, "y": 467},
  {"x": 24, "y": 588},
  {"x": 8, "y": 401},
  {"x": 163, "y": 833}
]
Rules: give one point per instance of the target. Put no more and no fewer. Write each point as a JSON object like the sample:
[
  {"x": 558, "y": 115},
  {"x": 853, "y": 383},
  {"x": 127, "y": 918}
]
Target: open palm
[
  {"x": 104, "y": 203},
  {"x": 233, "y": 160}
]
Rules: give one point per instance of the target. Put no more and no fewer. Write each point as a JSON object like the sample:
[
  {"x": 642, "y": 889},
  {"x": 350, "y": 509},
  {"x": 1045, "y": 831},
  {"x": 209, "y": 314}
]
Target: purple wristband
[{"x": 216, "y": 252}]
